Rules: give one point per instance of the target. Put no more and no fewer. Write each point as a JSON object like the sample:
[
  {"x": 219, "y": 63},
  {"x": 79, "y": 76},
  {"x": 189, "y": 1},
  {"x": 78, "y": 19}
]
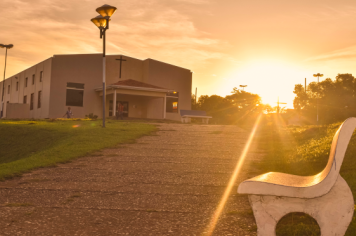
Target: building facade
[{"x": 147, "y": 88}]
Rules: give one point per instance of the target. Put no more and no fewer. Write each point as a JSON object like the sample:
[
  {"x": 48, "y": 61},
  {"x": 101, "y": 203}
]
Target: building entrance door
[{"x": 125, "y": 104}]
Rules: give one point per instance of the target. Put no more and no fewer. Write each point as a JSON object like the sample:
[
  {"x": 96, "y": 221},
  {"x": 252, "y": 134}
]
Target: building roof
[{"x": 135, "y": 83}]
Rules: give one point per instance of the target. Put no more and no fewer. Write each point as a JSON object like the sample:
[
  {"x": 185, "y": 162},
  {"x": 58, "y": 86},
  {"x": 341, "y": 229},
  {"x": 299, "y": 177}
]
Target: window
[
  {"x": 17, "y": 86},
  {"x": 31, "y": 101},
  {"x": 26, "y": 81},
  {"x": 41, "y": 75},
  {"x": 24, "y": 99},
  {"x": 75, "y": 94},
  {"x": 39, "y": 99},
  {"x": 8, "y": 89},
  {"x": 33, "y": 79},
  {"x": 172, "y": 102}
]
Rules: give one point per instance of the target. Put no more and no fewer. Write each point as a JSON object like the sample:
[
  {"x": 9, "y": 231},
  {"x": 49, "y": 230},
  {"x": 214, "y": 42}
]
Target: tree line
[
  {"x": 239, "y": 107},
  {"x": 335, "y": 99}
]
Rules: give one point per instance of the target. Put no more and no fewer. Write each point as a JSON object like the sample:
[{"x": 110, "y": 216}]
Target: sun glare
[
  {"x": 268, "y": 78},
  {"x": 232, "y": 180}
]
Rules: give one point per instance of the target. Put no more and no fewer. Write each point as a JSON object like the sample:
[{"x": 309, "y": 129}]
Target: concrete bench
[
  {"x": 186, "y": 116},
  {"x": 325, "y": 196}
]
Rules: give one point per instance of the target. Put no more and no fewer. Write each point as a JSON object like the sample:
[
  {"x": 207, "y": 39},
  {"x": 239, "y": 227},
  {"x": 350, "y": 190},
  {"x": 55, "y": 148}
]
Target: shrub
[{"x": 91, "y": 116}]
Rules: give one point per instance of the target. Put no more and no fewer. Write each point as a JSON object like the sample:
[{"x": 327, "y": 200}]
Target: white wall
[
  {"x": 16, "y": 96},
  {"x": 17, "y": 111},
  {"x": 78, "y": 68},
  {"x": 170, "y": 77}
]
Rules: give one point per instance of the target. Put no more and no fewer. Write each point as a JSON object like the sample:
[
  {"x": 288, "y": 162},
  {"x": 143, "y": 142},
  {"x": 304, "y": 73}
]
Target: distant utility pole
[
  {"x": 278, "y": 104},
  {"x": 317, "y": 99},
  {"x": 196, "y": 92},
  {"x": 305, "y": 86},
  {"x": 243, "y": 87},
  {"x": 3, "y": 83}
]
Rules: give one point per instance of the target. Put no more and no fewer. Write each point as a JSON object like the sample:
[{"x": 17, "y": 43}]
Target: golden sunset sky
[{"x": 268, "y": 45}]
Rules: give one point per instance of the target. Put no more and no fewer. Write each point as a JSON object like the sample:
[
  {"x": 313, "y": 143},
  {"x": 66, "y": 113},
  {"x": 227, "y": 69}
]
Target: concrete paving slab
[{"x": 166, "y": 184}]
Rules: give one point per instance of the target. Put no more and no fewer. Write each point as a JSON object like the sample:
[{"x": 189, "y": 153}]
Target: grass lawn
[
  {"x": 25, "y": 145},
  {"x": 304, "y": 151}
]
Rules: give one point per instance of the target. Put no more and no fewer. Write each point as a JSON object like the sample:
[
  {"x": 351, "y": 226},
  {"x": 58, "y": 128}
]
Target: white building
[{"x": 147, "y": 88}]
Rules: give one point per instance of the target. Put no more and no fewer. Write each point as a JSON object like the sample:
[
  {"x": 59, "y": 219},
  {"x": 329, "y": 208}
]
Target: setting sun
[{"x": 270, "y": 79}]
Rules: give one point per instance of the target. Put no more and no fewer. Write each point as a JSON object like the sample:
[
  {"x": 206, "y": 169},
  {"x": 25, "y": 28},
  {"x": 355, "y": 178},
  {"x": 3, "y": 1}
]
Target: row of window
[
  {"x": 32, "y": 98},
  {"x": 26, "y": 82},
  {"x": 33, "y": 79},
  {"x": 75, "y": 97}
]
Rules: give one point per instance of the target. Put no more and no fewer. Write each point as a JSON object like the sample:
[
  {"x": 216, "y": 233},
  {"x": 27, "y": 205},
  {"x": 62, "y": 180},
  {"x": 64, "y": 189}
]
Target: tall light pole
[
  {"x": 317, "y": 99},
  {"x": 102, "y": 22},
  {"x": 3, "y": 83},
  {"x": 243, "y": 87}
]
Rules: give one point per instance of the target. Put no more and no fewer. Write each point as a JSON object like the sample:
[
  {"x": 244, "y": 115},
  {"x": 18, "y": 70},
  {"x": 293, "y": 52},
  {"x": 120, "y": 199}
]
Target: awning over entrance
[{"x": 134, "y": 87}]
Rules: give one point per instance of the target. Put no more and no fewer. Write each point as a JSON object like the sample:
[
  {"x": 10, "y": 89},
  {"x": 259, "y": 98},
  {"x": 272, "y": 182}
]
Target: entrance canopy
[{"x": 134, "y": 87}]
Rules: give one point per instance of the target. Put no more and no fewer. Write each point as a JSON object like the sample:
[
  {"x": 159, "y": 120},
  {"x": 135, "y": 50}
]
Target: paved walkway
[{"x": 166, "y": 184}]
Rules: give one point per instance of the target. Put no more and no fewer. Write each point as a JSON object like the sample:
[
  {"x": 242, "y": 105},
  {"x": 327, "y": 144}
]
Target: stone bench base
[{"x": 333, "y": 211}]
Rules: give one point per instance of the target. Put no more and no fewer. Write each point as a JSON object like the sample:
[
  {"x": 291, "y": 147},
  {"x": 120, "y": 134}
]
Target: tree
[
  {"x": 218, "y": 107},
  {"x": 195, "y": 105},
  {"x": 237, "y": 107},
  {"x": 336, "y": 100},
  {"x": 301, "y": 100}
]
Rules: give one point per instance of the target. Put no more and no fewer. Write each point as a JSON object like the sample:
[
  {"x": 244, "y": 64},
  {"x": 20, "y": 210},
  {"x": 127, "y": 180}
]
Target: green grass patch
[
  {"x": 299, "y": 224},
  {"x": 26, "y": 145},
  {"x": 303, "y": 151}
]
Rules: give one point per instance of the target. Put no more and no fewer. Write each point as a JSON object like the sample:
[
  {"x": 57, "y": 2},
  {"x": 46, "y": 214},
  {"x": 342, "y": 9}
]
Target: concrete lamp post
[
  {"x": 102, "y": 22},
  {"x": 317, "y": 99},
  {"x": 3, "y": 83}
]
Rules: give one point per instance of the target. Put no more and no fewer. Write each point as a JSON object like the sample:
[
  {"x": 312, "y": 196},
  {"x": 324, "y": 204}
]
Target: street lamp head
[
  {"x": 99, "y": 21},
  {"x": 106, "y": 11},
  {"x": 243, "y": 86},
  {"x": 6, "y": 46}
]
